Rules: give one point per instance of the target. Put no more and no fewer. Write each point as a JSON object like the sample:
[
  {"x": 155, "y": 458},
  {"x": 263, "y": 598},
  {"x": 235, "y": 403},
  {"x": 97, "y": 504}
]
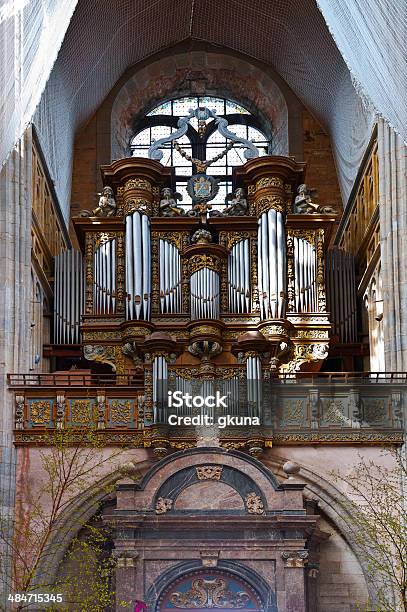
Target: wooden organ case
[{"x": 178, "y": 294}]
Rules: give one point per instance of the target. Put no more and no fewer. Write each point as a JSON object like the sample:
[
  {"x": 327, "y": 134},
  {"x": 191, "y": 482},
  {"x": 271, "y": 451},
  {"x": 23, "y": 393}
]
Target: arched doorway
[{"x": 210, "y": 590}]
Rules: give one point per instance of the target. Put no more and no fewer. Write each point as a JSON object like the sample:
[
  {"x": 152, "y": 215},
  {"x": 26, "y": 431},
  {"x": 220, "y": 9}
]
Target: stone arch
[
  {"x": 331, "y": 502},
  {"x": 205, "y": 73},
  {"x": 83, "y": 507},
  {"x": 77, "y": 513}
]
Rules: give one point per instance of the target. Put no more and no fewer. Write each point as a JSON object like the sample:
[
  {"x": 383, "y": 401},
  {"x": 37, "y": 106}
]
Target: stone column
[
  {"x": 294, "y": 562},
  {"x": 126, "y": 574},
  {"x": 392, "y": 154},
  {"x": 15, "y": 303}
]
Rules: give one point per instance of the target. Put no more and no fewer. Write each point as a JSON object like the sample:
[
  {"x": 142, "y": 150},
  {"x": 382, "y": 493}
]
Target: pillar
[
  {"x": 126, "y": 576},
  {"x": 294, "y": 563},
  {"x": 392, "y": 154},
  {"x": 15, "y": 302}
]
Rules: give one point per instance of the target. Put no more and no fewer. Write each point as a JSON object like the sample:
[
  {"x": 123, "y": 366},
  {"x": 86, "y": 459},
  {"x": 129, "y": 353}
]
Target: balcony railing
[{"x": 328, "y": 407}]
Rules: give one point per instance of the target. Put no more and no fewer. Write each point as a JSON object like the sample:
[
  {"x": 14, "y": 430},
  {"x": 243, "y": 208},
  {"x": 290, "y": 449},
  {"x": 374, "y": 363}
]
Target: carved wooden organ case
[{"x": 201, "y": 295}]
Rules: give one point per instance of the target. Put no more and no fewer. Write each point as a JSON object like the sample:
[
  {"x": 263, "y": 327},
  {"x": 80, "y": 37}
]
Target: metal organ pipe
[
  {"x": 160, "y": 387},
  {"x": 69, "y": 297},
  {"x": 341, "y": 294},
  {"x": 254, "y": 383},
  {"x": 104, "y": 271},
  {"x": 204, "y": 294},
  {"x": 239, "y": 277},
  {"x": 170, "y": 277},
  {"x": 305, "y": 275},
  {"x": 271, "y": 265},
  {"x": 138, "y": 266}
]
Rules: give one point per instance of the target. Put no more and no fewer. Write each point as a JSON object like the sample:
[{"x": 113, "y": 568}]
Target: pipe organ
[
  {"x": 69, "y": 296},
  {"x": 222, "y": 298}
]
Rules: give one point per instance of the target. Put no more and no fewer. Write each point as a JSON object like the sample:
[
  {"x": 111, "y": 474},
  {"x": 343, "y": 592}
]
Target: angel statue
[
  {"x": 168, "y": 203},
  {"x": 237, "y": 203},
  {"x": 107, "y": 204},
  {"x": 304, "y": 205}
]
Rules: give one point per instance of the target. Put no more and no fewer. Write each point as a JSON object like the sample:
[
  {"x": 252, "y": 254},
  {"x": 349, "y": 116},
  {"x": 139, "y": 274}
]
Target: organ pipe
[
  {"x": 138, "y": 266},
  {"x": 69, "y": 297},
  {"x": 204, "y": 294},
  {"x": 104, "y": 275},
  {"x": 271, "y": 265},
  {"x": 341, "y": 294},
  {"x": 170, "y": 277},
  {"x": 239, "y": 277},
  {"x": 254, "y": 385},
  {"x": 160, "y": 388},
  {"x": 305, "y": 276}
]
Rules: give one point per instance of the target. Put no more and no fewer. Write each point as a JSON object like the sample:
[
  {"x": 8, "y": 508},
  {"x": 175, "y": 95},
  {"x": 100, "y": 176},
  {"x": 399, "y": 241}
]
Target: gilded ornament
[
  {"x": 81, "y": 411},
  {"x": 197, "y": 262},
  {"x": 100, "y": 353},
  {"x": 254, "y": 504},
  {"x": 269, "y": 181},
  {"x": 121, "y": 411},
  {"x": 138, "y": 183},
  {"x": 40, "y": 412},
  {"x": 209, "y": 472},
  {"x": 137, "y": 204},
  {"x": 209, "y": 593},
  {"x": 268, "y": 203},
  {"x": 319, "y": 334},
  {"x": 163, "y": 505}
]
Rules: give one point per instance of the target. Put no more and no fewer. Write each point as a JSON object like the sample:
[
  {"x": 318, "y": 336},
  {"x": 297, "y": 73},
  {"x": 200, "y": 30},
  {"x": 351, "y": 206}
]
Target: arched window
[{"x": 163, "y": 120}]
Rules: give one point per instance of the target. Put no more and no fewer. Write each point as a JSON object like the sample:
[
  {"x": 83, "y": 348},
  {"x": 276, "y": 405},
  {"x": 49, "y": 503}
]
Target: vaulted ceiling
[{"x": 105, "y": 38}]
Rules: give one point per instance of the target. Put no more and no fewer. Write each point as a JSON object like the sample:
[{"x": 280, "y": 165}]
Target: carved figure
[
  {"x": 201, "y": 236},
  {"x": 304, "y": 205},
  {"x": 168, "y": 203},
  {"x": 107, "y": 204},
  {"x": 238, "y": 203}
]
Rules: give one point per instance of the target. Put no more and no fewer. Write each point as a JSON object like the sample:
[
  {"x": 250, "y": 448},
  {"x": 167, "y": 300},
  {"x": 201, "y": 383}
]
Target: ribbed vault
[{"x": 105, "y": 38}]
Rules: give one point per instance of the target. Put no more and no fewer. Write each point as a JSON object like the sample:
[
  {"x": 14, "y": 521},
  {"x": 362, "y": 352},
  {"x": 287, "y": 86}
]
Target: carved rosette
[
  {"x": 163, "y": 505},
  {"x": 254, "y": 504}
]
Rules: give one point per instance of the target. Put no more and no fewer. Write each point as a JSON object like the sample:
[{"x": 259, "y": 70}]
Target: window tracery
[{"x": 200, "y": 143}]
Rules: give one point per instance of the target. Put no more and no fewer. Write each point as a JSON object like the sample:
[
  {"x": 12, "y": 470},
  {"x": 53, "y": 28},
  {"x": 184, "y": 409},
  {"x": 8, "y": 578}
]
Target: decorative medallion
[
  {"x": 202, "y": 188},
  {"x": 254, "y": 504}
]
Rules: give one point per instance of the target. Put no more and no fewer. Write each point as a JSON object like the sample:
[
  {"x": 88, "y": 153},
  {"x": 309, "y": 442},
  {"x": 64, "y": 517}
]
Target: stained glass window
[{"x": 163, "y": 119}]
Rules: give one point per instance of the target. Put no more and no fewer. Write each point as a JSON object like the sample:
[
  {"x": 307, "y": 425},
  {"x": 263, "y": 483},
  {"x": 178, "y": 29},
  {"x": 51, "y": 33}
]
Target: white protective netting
[
  {"x": 372, "y": 38},
  {"x": 31, "y": 33},
  {"x": 104, "y": 38}
]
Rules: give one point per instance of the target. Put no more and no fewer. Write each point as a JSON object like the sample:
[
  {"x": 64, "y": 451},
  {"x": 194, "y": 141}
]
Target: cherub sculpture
[
  {"x": 107, "y": 204},
  {"x": 237, "y": 203},
  {"x": 304, "y": 205},
  {"x": 168, "y": 203}
]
